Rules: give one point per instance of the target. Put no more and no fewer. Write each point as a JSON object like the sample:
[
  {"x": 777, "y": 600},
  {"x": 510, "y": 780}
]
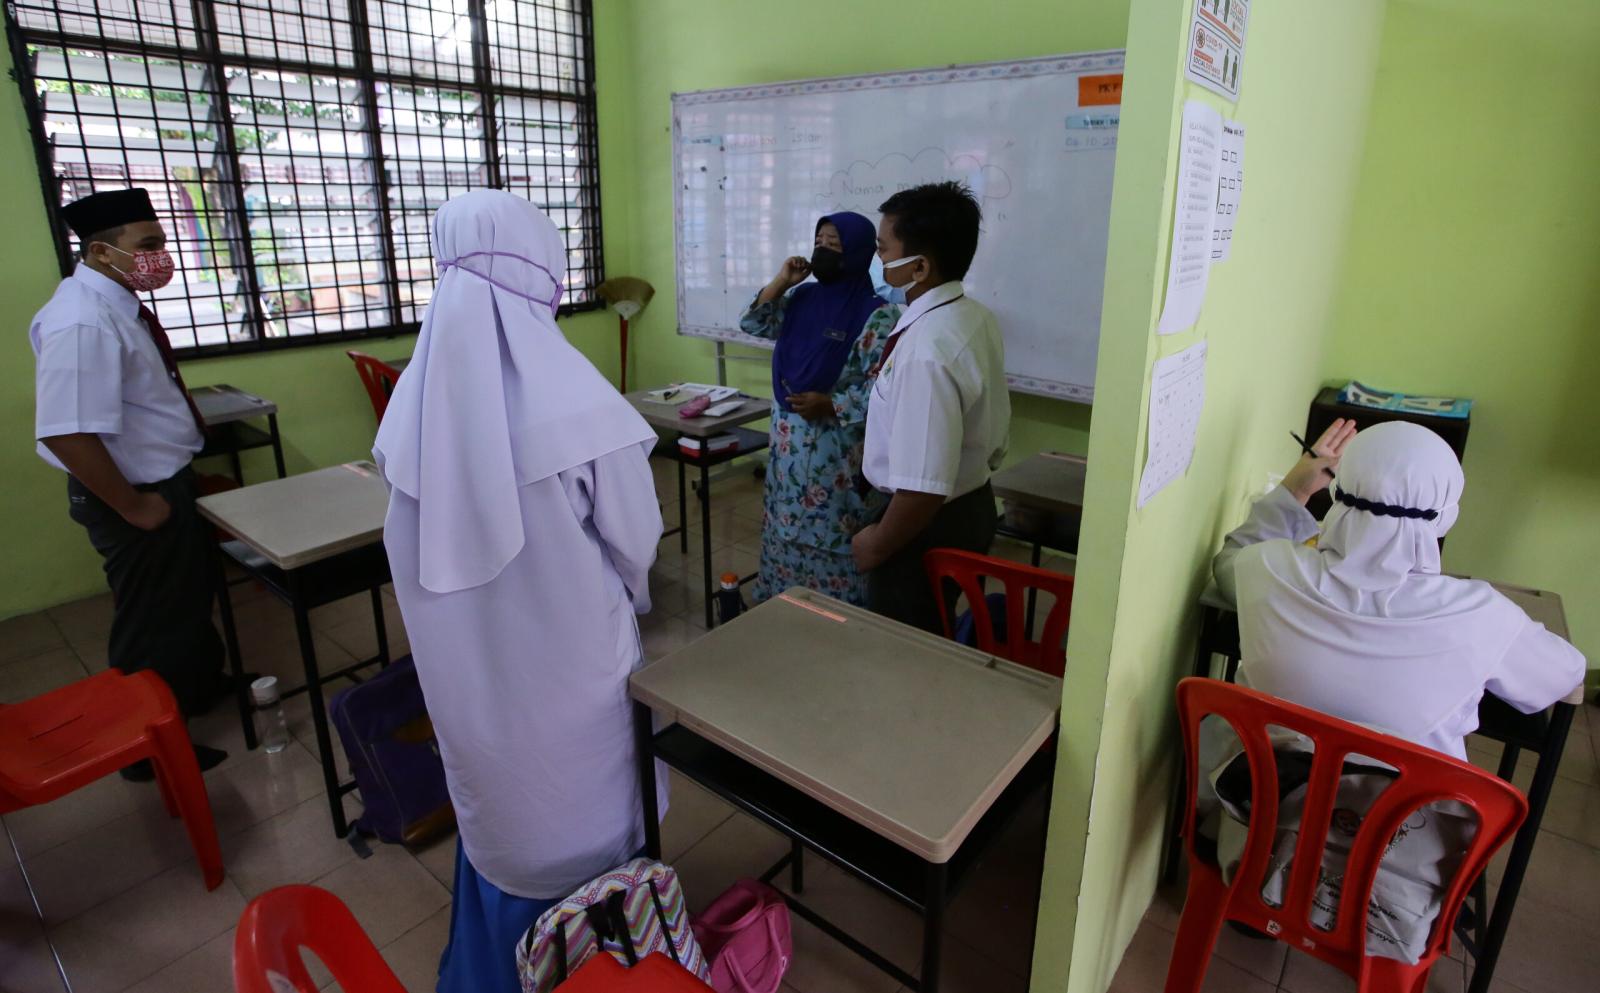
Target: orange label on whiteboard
[{"x": 1100, "y": 91}]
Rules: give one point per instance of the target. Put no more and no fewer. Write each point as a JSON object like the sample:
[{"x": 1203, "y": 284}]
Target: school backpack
[
  {"x": 389, "y": 740},
  {"x": 966, "y": 630},
  {"x": 629, "y": 913}
]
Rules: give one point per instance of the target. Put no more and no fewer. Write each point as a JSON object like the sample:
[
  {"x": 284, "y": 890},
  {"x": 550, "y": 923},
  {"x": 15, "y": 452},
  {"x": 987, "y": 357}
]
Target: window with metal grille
[{"x": 296, "y": 150}]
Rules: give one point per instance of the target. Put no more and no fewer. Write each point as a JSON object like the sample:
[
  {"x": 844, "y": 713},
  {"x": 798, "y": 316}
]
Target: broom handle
[{"x": 624, "y": 332}]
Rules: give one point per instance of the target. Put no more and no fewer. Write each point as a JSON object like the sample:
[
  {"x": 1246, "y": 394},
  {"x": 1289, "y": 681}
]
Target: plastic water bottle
[
  {"x": 272, "y": 728},
  {"x": 729, "y": 603}
]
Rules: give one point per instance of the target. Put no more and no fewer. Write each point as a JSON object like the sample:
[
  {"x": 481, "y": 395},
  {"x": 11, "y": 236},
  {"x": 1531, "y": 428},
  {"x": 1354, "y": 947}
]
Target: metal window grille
[{"x": 296, "y": 150}]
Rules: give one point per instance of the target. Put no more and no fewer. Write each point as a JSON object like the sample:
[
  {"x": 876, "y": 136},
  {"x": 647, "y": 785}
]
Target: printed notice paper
[
  {"x": 1198, "y": 154},
  {"x": 1230, "y": 185},
  {"x": 1177, "y": 392},
  {"x": 1216, "y": 44}
]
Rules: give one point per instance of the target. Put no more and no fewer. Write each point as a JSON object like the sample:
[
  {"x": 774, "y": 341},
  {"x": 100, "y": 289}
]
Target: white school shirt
[
  {"x": 98, "y": 371},
  {"x": 1416, "y": 671},
  {"x": 940, "y": 415}
]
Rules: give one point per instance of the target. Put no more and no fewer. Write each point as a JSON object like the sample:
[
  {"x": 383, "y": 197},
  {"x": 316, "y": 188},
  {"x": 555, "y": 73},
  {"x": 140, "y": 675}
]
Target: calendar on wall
[{"x": 1177, "y": 394}]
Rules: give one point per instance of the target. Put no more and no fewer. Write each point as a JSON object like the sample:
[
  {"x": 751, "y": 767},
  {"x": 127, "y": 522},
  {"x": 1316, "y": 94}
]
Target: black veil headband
[{"x": 1382, "y": 509}]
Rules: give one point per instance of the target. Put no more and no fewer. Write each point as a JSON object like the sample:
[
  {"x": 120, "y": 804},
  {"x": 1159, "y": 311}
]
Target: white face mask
[{"x": 897, "y": 294}]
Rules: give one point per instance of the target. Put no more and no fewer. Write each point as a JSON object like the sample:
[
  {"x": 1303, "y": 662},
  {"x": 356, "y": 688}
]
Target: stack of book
[{"x": 715, "y": 445}]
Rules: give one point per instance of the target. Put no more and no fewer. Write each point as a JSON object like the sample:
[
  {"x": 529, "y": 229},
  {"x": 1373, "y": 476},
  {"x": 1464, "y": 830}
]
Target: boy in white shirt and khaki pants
[{"x": 940, "y": 414}]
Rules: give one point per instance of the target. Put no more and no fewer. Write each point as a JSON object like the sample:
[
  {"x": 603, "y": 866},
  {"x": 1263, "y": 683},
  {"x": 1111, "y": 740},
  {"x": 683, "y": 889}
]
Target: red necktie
[
  {"x": 158, "y": 334},
  {"x": 894, "y": 340},
  {"x": 888, "y": 350}
]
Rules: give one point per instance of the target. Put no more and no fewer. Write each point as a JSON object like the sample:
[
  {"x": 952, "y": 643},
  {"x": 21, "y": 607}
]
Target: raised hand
[{"x": 1315, "y": 470}]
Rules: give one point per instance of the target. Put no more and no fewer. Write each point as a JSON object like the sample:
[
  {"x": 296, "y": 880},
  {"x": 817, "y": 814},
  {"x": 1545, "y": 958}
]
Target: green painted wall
[
  {"x": 1474, "y": 270},
  {"x": 1268, "y": 315},
  {"x": 682, "y": 45},
  {"x": 325, "y": 417}
]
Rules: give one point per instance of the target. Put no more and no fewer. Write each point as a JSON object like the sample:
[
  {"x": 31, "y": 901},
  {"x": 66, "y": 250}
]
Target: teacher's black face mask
[{"x": 826, "y": 264}]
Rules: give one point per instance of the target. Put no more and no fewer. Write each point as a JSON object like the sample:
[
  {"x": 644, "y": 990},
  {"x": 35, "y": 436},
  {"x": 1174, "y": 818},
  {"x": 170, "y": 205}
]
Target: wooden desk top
[
  {"x": 1049, "y": 481},
  {"x": 664, "y": 416},
  {"x": 304, "y": 519},
  {"x": 222, "y": 404},
  {"x": 910, "y": 735}
]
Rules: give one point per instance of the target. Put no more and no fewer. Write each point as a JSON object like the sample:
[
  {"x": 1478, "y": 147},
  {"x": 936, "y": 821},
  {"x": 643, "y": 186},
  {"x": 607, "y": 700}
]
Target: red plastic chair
[
  {"x": 280, "y": 922},
  {"x": 968, "y": 569},
  {"x": 1425, "y": 777},
  {"x": 66, "y": 739},
  {"x": 379, "y": 377},
  {"x": 655, "y": 974}
]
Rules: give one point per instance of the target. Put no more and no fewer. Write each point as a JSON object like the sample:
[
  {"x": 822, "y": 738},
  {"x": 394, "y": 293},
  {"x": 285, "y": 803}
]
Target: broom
[{"x": 627, "y": 295}]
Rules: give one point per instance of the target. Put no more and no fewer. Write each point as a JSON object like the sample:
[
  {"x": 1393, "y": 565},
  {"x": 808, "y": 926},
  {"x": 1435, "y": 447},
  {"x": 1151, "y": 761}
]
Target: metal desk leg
[
  {"x": 319, "y": 712},
  {"x": 933, "y": 927},
  {"x": 797, "y": 866},
  {"x": 1044, "y": 842},
  {"x": 230, "y": 639},
  {"x": 705, "y": 537},
  {"x": 1508, "y": 763},
  {"x": 1033, "y": 592},
  {"x": 1480, "y": 906},
  {"x": 683, "y": 510},
  {"x": 238, "y": 468},
  {"x": 1544, "y": 779},
  {"x": 383, "y": 631},
  {"x": 277, "y": 444},
  {"x": 644, "y": 734}
]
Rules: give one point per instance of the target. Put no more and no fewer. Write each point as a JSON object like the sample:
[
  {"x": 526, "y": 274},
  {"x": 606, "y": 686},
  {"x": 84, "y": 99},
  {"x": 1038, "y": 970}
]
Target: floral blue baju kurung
[{"x": 812, "y": 504}]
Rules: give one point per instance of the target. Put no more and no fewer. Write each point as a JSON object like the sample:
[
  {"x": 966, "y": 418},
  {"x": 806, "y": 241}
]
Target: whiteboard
[{"x": 754, "y": 167}]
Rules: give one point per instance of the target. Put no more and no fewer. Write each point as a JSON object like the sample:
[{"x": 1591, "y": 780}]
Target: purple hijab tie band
[{"x": 554, "y": 304}]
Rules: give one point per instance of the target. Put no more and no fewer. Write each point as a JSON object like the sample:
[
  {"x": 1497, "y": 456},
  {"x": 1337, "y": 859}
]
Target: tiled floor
[{"x": 100, "y": 886}]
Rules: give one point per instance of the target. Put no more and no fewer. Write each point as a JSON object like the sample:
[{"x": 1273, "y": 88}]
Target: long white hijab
[{"x": 495, "y": 397}]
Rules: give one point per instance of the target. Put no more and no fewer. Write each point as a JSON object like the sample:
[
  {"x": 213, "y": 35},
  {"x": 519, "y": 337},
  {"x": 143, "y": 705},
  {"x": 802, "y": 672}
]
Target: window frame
[{"x": 360, "y": 69}]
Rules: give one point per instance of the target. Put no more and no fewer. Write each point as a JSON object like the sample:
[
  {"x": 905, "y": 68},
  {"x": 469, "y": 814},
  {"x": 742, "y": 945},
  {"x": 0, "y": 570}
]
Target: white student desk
[
  {"x": 663, "y": 417},
  {"x": 310, "y": 539},
  {"x": 227, "y": 411},
  {"x": 1543, "y": 733},
  {"x": 1044, "y": 505},
  {"x": 893, "y": 753}
]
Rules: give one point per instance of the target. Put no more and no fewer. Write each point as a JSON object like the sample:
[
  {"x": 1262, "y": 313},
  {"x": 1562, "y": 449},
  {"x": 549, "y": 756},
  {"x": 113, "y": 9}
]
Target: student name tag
[{"x": 834, "y": 334}]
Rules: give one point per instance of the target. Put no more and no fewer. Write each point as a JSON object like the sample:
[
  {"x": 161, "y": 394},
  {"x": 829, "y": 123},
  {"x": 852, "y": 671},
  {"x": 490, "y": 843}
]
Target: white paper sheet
[
  {"x": 1216, "y": 44},
  {"x": 1230, "y": 187},
  {"x": 1199, "y": 148},
  {"x": 1177, "y": 394}
]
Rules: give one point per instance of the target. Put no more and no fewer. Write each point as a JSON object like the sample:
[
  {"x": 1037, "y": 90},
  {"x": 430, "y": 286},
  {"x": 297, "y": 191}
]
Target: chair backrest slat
[
  {"x": 1423, "y": 777},
  {"x": 968, "y": 570},
  {"x": 280, "y": 922},
  {"x": 379, "y": 378}
]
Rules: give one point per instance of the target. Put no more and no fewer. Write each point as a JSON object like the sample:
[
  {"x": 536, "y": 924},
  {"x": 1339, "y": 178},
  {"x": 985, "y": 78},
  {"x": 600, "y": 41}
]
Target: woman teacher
[{"x": 830, "y": 335}]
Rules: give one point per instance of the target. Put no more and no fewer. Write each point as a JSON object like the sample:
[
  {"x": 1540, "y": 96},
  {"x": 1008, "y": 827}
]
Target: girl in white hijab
[
  {"x": 522, "y": 526},
  {"x": 1363, "y": 626}
]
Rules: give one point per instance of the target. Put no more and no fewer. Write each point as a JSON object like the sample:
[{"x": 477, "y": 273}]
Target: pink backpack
[{"x": 745, "y": 936}]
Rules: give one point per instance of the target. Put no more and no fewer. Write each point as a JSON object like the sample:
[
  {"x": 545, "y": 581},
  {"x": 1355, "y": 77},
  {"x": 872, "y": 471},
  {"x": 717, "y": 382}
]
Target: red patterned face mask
[{"x": 151, "y": 269}]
